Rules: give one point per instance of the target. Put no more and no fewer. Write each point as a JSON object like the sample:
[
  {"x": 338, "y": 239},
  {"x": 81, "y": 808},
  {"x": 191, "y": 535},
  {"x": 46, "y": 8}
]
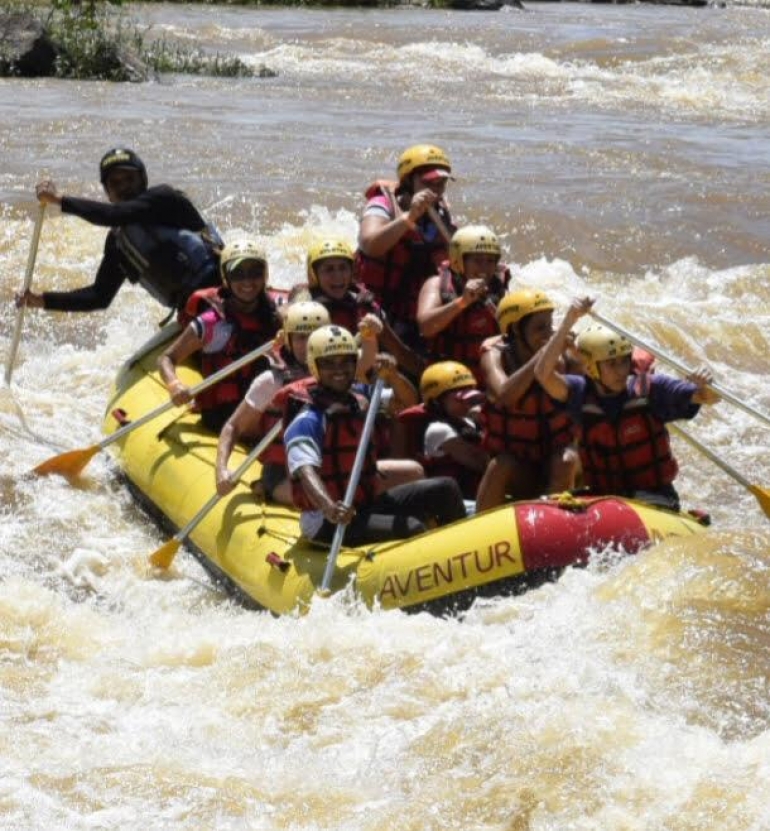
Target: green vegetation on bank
[{"x": 95, "y": 40}]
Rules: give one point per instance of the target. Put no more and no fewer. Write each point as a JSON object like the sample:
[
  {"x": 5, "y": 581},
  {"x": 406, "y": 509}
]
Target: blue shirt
[
  {"x": 669, "y": 398},
  {"x": 304, "y": 441}
]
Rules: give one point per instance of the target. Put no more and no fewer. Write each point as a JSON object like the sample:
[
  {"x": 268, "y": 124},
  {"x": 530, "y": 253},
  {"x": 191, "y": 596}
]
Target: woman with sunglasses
[{"x": 240, "y": 318}]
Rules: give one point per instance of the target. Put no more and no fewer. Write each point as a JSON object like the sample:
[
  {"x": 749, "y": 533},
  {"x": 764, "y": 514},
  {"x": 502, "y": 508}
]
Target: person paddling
[
  {"x": 157, "y": 238},
  {"x": 624, "y": 445},
  {"x": 240, "y": 317},
  {"x": 456, "y": 308},
  {"x": 260, "y": 409},
  {"x": 404, "y": 233},
  {"x": 330, "y": 280},
  {"x": 530, "y": 437},
  {"x": 321, "y": 443}
]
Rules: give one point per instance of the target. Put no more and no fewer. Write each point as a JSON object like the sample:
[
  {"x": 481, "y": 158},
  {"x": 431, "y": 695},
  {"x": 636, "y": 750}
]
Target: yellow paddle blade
[
  {"x": 69, "y": 464},
  {"x": 763, "y": 497},
  {"x": 164, "y": 556}
]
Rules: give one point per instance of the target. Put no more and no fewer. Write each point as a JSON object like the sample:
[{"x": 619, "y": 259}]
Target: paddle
[
  {"x": 726, "y": 394},
  {"x": 432, "y": 213},
  {"x": 355, "y": 475},
  {"x": 71, "y": 463},
  {"x": 762, "y": 494},
  {"x": 24, "y": 289},
  {"x": 439, "y": 223},
  {"x": 164, "y": 556}
]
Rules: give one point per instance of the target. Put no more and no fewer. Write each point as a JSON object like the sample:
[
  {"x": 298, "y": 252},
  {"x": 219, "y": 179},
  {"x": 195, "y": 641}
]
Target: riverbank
[{"x": 96, "y": 41}]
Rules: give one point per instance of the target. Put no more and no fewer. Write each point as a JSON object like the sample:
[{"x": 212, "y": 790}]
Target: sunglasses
[{"x": 246, "y": 271}]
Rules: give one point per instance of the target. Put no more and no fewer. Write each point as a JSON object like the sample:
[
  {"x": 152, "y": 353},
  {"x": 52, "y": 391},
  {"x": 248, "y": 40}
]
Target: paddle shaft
[
  {"x": 709, "y": 454},
  {"x": 726, "y": 394},
  {"x": 355, "y": 475},
  {"x": 266, "y": 440},
  {"x": 203, "y": 385},
  {"x": 25, "y": 288},
  {"x": 432, "y": 213}
]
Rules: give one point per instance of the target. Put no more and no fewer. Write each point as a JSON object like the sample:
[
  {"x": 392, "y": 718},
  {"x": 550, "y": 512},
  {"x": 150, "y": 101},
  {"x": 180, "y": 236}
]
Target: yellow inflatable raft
[{"x": 257, "y": 552}]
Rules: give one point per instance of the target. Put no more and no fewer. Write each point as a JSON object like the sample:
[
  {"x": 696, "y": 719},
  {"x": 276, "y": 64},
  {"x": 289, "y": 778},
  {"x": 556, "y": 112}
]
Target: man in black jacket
[{"x": 157, "y": 238}]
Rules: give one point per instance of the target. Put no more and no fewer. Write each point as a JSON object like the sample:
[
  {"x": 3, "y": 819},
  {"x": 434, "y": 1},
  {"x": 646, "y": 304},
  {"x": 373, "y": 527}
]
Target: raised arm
[
  {"x": 185, "y": 345},
  {"x": 506, "y": 390},
  {"x": 548, "y": 358},
  {"x": 244, "y": 421}
]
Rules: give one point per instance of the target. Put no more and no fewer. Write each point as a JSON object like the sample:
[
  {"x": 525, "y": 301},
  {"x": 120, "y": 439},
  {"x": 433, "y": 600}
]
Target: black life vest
[{"x": 170, "y": 263}]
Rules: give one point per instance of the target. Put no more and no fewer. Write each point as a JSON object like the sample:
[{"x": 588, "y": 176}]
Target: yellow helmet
[
  {"x": 304, "y": 317},
  {"x": 324, "y": 250},
  {"x": 421, "y": 155},
  {"x": 234, "y": 253},
  {"x": 327, "y": 342},
  {"x": 443, "y": 377},
  {"x": 472, "y": 239},
  {"x": 518, "y": 304},
  {"x": 598, "y": 343}
]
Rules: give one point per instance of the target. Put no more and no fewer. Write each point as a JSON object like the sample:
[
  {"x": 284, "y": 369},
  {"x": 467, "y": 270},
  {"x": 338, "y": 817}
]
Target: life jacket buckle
[{"x": 276, "y": 561}]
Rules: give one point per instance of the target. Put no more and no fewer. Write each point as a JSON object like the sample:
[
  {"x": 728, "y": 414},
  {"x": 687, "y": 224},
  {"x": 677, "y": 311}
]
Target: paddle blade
[
  {"x": 763, "y": 497},
  {"x": 69, "y": 464},
  {"x": 164, "y": 556}
]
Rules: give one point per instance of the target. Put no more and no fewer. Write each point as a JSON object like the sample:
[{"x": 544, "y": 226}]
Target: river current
[{"x": 619, "y": 151}]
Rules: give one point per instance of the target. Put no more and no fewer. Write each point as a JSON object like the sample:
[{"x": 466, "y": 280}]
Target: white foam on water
[{"x": 631, "y": 694}]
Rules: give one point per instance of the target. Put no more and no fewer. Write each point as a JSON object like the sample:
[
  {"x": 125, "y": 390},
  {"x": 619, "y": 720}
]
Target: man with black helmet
[{"x": 157, "y": 238}]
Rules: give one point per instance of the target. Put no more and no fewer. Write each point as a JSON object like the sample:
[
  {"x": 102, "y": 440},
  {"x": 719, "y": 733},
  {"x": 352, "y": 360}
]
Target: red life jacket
[
  {"x": 416, "y": 421},
  {"x": 536, "y": 429},
  {"x": 199, "y": 302},
  {"x": 461, "y": 340},
  {"x": 249, "y": 331},
  {"x": 286, "y": 370},
  {"x": 397, "y": 277},
  {"x": 342, "y": 436},
  {"x": 629, "y": 454},
  {"x": 350, "y": 309}
]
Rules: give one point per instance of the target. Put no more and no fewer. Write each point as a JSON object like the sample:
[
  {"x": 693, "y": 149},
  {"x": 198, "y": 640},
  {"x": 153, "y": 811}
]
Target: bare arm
[
  {"x": 244, "y": 421},
  {"x": 369, "y": 329},
  {"x": 312, "y": 484},
  {"x": 406, "y": 357},
  {"x": 185, "y": 345},
  {"x": 506, "y": 390},
  {"x": 433, "y": 314},
  {"x": 378, "y": 235},
  {"x": 548, "y": 358},
  {"x": 404, "y": 392}
]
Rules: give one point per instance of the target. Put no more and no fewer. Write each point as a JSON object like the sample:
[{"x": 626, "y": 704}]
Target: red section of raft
[{"x": 554, "y": 536}]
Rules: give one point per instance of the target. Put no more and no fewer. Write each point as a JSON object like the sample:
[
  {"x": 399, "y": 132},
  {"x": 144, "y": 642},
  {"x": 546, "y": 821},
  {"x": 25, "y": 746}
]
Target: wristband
[{"x": 463, "y": 303}]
